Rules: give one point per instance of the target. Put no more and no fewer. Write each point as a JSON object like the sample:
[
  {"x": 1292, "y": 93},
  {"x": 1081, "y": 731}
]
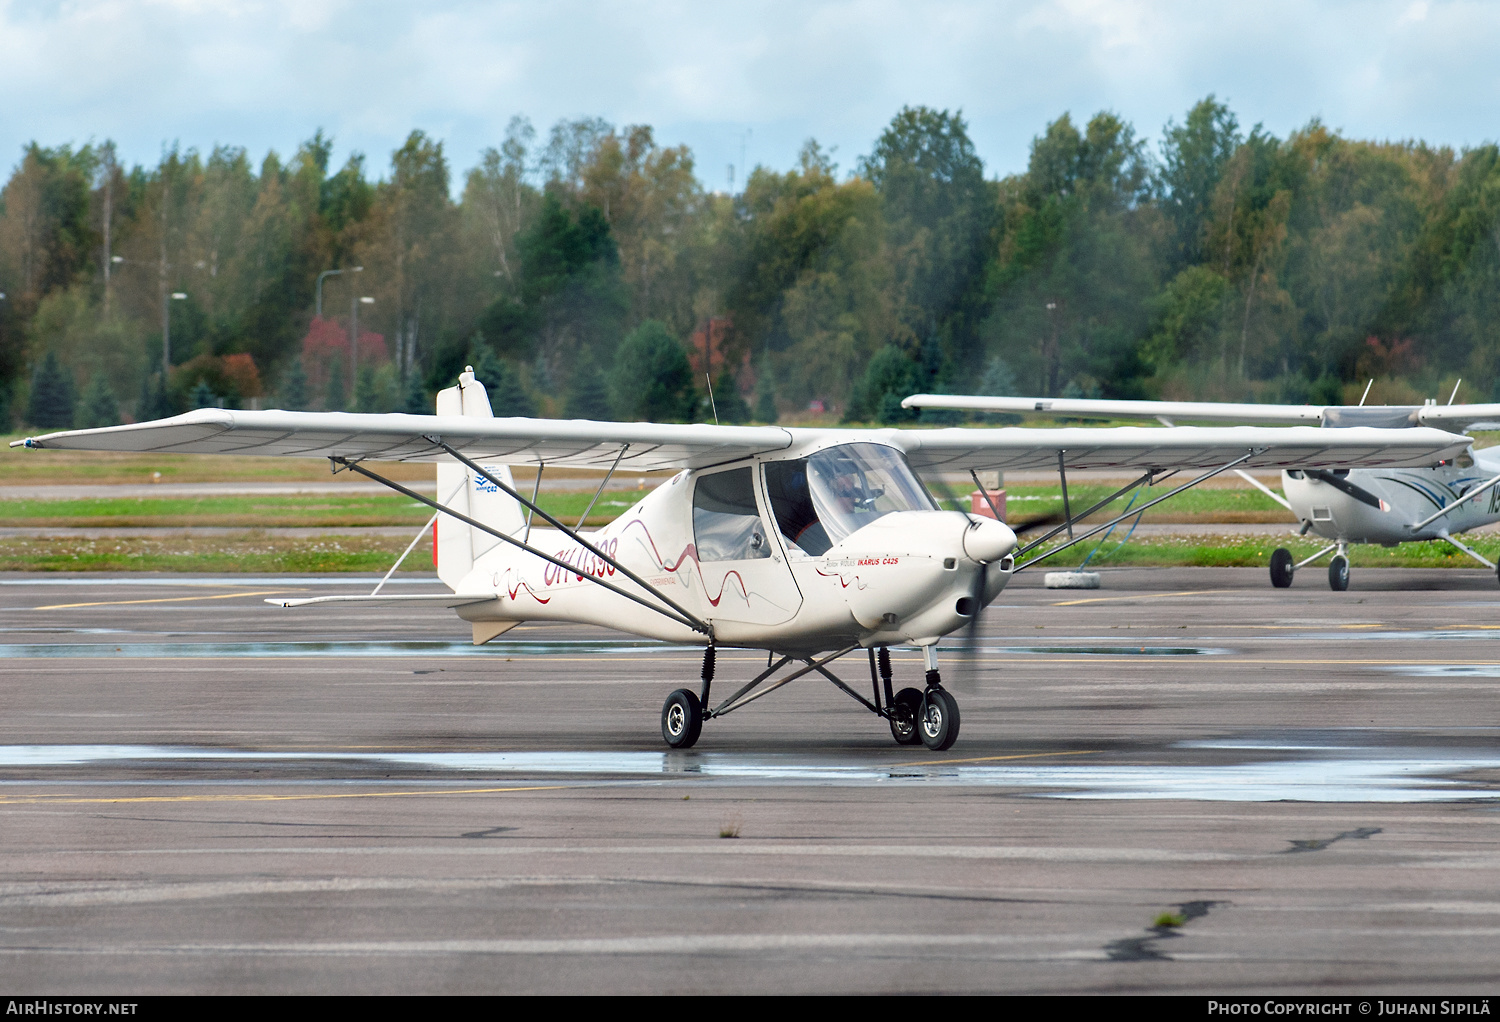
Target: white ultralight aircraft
[
  {"x": 807, "y": 543},
  {"x": 1386, "y": 505}
]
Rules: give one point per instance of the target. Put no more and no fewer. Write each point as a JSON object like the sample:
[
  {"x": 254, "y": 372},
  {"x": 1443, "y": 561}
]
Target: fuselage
[
  {"x": 766, "y": 564},
  {"x": 1408, "y": 496}
]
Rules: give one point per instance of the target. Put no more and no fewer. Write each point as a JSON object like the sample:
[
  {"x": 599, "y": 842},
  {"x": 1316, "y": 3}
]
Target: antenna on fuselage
[
  {"x": 711, "y": 402},
  {"x": 1367, "y": 392},
  {"x": 1455, "y": 390}
]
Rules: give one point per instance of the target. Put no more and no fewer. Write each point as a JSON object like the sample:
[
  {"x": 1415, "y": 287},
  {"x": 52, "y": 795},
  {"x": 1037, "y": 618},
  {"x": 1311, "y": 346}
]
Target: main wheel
[
  {"x": 1338, "y": 573},
  {"x": 1281, "y": 568},
  {"x": 938, "y": 725},
  {"x": 908, "y": 707},
  {"x": 681, "y": 719}
]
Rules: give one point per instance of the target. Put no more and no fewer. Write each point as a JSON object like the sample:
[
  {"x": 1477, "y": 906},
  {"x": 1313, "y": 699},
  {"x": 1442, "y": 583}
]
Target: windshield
[{"x": 820, "y": 500}]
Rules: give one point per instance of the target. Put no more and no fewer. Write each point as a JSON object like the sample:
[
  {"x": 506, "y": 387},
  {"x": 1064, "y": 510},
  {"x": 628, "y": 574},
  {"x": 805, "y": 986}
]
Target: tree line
[{"x": 590, "y": 273}]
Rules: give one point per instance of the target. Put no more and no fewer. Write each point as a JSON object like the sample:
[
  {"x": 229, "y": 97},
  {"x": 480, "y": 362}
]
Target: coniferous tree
[
  {"x": 366, "y": 392},
  {"x": 728, "y": 400},
  {"x": 414, "y": 400},
  {"x": 204, "y": 396},
  {"x": 293, "y": 395},
  {"x": 765, "y": 400},
  {"x": 99, "y": 406},
  {"x": 50, "y": 403},
  {"x": 334, "y": 398},
  {"x": 589, "y": 396},
  {"x": 652, "y": 380},
  {"x": 154, "y": 402}
]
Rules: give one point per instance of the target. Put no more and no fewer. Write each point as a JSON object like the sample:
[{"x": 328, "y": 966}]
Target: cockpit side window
[
  {"x": 791, "y": 503},
  {"x": 726, "y": 523}
]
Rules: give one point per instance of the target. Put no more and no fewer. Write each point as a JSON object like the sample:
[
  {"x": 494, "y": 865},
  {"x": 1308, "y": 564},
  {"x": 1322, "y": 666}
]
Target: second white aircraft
[{"x": 1362, "y": 505}]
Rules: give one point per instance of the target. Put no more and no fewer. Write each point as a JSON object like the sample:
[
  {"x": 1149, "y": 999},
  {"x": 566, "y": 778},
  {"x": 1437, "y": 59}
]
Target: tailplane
[{"x": 460, "y": 545}]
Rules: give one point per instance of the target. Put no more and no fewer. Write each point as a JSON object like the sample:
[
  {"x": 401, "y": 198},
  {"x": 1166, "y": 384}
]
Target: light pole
[
  {"x": 166, "y": 331},
  {"x": 354, "y": 304},
  {"x": 332, "y": 273}
]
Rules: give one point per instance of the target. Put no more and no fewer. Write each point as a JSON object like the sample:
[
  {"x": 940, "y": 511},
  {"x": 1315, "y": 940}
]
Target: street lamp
[
  {"x": 166, "y": 332},
  {"x": 331, "y": 273},
  {"x": 354, "y": 304}
]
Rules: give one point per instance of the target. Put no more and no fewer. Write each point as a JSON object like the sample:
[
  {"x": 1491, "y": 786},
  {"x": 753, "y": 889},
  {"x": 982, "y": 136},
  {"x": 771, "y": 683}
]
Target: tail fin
[{"x": 460, "y": 545}]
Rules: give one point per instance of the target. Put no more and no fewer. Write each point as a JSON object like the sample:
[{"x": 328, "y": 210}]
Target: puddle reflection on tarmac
[{"x": 1305, "y": 773}]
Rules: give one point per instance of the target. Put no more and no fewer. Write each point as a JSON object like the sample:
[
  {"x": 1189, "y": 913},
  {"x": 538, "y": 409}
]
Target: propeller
[{"x": 965, "y": 676}]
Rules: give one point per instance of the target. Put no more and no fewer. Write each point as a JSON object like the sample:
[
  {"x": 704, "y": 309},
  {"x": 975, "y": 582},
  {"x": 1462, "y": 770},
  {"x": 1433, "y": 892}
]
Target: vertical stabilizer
[{"x": 460, "y": 545}]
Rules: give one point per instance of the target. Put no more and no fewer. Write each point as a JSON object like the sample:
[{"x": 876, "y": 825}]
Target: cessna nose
[{"x": 987, "y": 540}]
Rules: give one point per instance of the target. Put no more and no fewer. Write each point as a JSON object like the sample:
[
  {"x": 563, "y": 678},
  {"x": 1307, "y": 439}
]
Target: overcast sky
[{"x": 758, "y": 77}]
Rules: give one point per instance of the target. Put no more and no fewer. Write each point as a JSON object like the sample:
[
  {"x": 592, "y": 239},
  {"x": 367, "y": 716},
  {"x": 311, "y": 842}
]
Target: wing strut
[
  {"x": 1476, "y": 491},
  {"x": 1149, "y": 504},
  {"x": 1147, "y": 479},
  {"x": 574, "y": 535},
  {"x": 680, "y": 616}
]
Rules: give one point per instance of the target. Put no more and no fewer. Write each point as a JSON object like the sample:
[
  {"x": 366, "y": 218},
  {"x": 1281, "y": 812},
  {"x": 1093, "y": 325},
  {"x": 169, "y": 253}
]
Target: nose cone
[{"x": 986, "y": 540}]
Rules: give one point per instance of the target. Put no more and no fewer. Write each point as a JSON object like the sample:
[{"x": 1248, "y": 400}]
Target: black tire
[
  {"x": 1281, "y": 568},
  {"x": 1338, "y": 573},
  {"x": 681, "y": 719},
  {"x": 938, "y": 725},
  {"x": 908, "y": 708}
]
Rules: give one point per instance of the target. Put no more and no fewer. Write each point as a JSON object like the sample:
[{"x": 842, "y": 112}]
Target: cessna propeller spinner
[
  {"x": 1386, "y": 505},
  {"x": 807, "y": 543}
]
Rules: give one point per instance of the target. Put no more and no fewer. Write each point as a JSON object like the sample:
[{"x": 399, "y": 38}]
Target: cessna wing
[
  {"x": 1167, "y": 411},
  {"x": 648, "y": 446},
  {"x": 1450, "y": 417}
]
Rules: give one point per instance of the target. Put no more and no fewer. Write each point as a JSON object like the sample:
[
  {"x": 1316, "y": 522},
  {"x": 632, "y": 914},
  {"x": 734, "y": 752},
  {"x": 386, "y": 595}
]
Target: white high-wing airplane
[
  {"x": 1386, "y": 505},
  {"x": 807, "y": 543}
]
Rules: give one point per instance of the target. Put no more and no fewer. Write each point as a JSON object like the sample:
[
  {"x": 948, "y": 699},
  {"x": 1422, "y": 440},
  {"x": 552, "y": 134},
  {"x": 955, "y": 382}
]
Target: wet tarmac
[{"x": 202, "y": 793}]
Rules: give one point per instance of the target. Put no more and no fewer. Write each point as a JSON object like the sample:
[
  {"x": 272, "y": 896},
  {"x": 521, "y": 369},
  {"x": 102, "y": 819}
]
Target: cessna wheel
[
  {"x": 938, "y": 725},
  {"x": 681, "y": 719},
  {"x": 1281, "y": 568},
  {"x": 908, "y": 707},
  {"x": 1338, "y": 573}
]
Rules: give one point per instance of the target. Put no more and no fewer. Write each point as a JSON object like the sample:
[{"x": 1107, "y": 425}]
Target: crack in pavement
[
  {"x": 1318, "y": 844},
  {"x": 1143, "y": 949}
]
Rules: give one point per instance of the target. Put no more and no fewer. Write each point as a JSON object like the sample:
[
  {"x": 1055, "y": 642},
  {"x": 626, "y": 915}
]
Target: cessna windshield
[{"x": 820, "y": 500}]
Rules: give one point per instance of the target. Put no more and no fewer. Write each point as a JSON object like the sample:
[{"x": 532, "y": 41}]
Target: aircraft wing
[
  {"x": 1187, "y": 447},
  {"x": 1457, "y": 417},
  {"x": 1169, "y": 411},
  {"x": 398, "y": 437},
  {"x": 585, "y": 444}
]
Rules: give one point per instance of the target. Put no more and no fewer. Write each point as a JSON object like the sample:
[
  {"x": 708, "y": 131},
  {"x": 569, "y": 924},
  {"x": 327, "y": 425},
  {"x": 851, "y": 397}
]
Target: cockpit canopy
[{"x": 822, "y": 499}]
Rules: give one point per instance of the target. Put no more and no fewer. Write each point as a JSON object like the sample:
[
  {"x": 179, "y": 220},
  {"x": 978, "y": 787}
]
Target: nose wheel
[{"x": 938, "y": 725}]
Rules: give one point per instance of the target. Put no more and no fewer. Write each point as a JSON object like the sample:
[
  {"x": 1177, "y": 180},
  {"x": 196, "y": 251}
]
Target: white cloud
[{"x": 267, "y": 73}]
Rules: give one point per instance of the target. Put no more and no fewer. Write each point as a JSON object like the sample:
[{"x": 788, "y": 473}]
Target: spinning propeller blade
[{"x": 963, "y": 677}]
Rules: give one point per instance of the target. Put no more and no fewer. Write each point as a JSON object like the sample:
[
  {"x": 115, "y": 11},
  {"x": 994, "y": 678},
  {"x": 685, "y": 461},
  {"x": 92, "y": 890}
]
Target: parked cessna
[
  {"x": 807, "y": 543},
  {"x": 1386, "y": 505}
]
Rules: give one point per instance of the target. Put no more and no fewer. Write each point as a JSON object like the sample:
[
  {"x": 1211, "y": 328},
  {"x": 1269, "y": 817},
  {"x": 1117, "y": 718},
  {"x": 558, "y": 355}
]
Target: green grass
[
  {"x": 305, "y": 510},
  {"x": 249, "y": 552},
  {"x": 1240, "y": 504},
  {"x": 1255, "y": 551}
]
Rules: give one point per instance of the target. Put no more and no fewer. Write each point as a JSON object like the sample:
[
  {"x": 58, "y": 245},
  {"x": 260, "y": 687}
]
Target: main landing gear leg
[
  {"x": 938, "y": 724},
  {"x": 905, "y": 706}
]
